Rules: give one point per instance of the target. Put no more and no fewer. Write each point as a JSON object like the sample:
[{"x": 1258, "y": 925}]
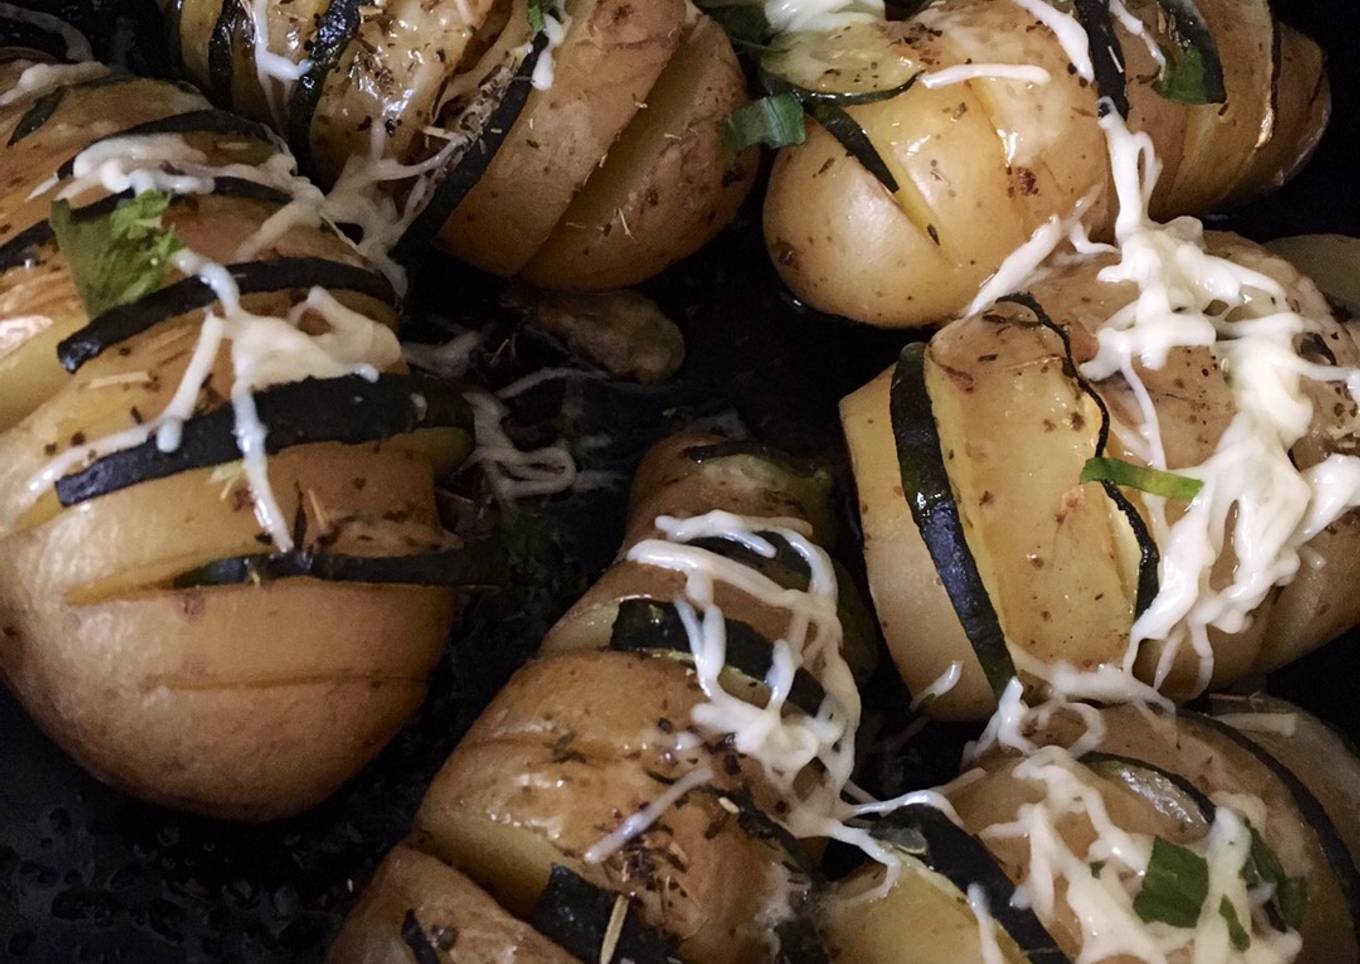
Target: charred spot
[
  {"x": 1078, "y": 421},
  {"x": 1026, "y": 180},
  {"x": 78, "y": 439},
  {"x": 562, "y": 751},
  {"x": 987, "y": 498},
  {"x": 192, "y": 604}
]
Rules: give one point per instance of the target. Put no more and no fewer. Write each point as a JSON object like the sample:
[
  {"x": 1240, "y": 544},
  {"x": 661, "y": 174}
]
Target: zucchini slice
[
  {"x": 465, "y": 567},
  {"x": 207, "y": 121},
  {"x": 652, "y": 627},
  {"x": 575, "y": 914},
  {"x": 350, "y": 409},
  {"x": 925, "y": 484},
  {"x": 946, "y": 848},
  {"x": 334, "y": 31},
  {"x": 188, "y": 294}
]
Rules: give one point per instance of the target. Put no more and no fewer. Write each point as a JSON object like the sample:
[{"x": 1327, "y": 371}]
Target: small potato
[{"x": 666, "y": 188}]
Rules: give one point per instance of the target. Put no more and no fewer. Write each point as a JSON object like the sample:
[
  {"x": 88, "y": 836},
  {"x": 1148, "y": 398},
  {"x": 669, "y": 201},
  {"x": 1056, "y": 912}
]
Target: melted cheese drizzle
[
  {"x": 39, "y": 79},
  {"x": 275, "y": 73},
  {"x": 982, "y": 911},
  {"x": 512, "y": 472},
  {"x": 555, "y": 24},
  {"x": 821, "y": 15},
  {"x": 264, "y": 350},
  {"x": 784, "y": 744}
]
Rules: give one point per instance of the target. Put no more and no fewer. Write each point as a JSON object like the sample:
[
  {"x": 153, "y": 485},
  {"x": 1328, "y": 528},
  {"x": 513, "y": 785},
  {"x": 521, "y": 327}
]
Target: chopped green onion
[
  {"x": 118, "y": 257},
  {"x": 1169, "y": 485},
  {"x": 1175, "y": 886},
  {"x": 1241, "y": 940},
  {"x": 1289, "y": 897},
  {"x": 776, "y": 121}
]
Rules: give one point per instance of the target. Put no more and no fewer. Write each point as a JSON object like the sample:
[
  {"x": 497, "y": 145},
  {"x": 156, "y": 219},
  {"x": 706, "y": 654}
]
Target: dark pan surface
[{"x": 88, "y": 875}]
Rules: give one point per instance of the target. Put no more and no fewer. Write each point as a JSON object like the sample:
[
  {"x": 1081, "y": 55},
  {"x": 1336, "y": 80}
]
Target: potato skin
[
  {"x": 446, "y": 904},
  {"x": 982, "y": 164},
  {"x": 249, "y": 701},
  {"x": 589, "y": 150},
  {"x": 612, "y": 56},
  {"x": 666, "y": 188},
  {"x": 1019, "y": 430}
]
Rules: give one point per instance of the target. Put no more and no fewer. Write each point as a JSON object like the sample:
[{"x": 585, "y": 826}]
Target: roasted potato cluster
[
  {"x": 593, "y": 733},
  {"x": 1151, "y": 781},
  {"x": 982, "y": 164},
  {"x": 576, "y": 147},
  {"x": 150, "y": 619},
  {"x": 997, "y": 486}
]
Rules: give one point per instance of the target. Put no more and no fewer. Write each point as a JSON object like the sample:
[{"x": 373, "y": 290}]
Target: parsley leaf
[
  {"x": 118, "y": 257},
  {"x": 1241, "y": 940},
  {"x": 1175, "y": 886},
  {"x": 1289, "y": 900},
  {"x": 1166, "y": 484},
  {"x": 538, "y": 13}
]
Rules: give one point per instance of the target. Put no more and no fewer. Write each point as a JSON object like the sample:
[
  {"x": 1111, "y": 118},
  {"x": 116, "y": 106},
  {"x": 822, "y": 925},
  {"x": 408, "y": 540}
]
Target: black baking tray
[{"x": 87, "y": 874}]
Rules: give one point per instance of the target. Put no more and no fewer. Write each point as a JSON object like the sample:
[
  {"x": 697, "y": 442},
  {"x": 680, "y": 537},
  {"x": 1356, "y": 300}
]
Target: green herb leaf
[
  {"x": 1193, "y": 73},
  {"x": 776, "y": 121},
  {"x": 743, "y": 20},
  {"x": 1290, "y": 898},
  {"x": 538, "y": 13},
  {"x": 1241, "y": 940},
  {"x": 1175, "y": 886},
  {"x": 1154, "y": 481},
  {"x": 120, "y": 256}
]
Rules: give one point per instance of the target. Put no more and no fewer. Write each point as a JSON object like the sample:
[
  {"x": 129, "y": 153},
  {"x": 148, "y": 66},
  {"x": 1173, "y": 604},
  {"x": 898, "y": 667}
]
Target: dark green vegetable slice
[
  {"x": 1169, "y": 793},
  {"x": 926, "y": 487},
  {"x": 189, "y": 294},
  {"x": 856, "y": 142},
  {"x": 1169, "y": 485},
  {"x": 575, "y": 915},
  {"x": 805, "y": 95},
  {"x": 946, "y": 848},
  {"x": 334, "y": 31},
  {"x": 1149, "y": 556},
  {"x": 1107, "y": 56},
  {"x": 349, "y": 409},
  {"x": 786, "y": 568},
  {"x": 417, "y": 941},
  {"x": 1289, "y": 898},
  {"x": 652, "y": 627},
  {"x": 467, "y": 567},
  {"x": 744, "y": 21},
  {"x": 232, "y": 22},
  {"x": 118, "y": 257},
  {"x": 497, "y": 107},
  {"x": 775, "y": 121},
  {"x": 1175, "y": 886},
  {"x": 206, "y": 121},
  {"x": 37, "y": 115}
]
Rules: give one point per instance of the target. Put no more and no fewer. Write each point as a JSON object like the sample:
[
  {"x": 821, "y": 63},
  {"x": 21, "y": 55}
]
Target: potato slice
[
  {"x": 612, "y": 55},
  {"x": 665, "y": 188}
]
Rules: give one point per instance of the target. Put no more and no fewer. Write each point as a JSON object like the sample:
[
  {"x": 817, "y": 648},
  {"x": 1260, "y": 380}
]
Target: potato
[
  {"x": 1214, "y": 762},
  {"x": 604, "y": 69},
  {"x": 981, "y": 164},
  {"x": 454, "y": 913},
  {"x": 1058, "y": 560},
  {"x": 666, "y": 188},
  {"x": 137, "y": 623},
  {"x": 506, "y": 812},
  {"x": 406, "y": 79}
]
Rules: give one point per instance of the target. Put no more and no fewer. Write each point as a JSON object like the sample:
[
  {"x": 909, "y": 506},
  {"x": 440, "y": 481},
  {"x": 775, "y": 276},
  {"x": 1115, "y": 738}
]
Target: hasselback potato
[
  {"x": 985, "y": 546},
  {"x": 577, "y": 146},
  {"x": 592, "y": 787},
  {"x": 983, "y": 161},
  {"x": 223, "y": 579},
  {"x": 1146, "y": 837}
]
